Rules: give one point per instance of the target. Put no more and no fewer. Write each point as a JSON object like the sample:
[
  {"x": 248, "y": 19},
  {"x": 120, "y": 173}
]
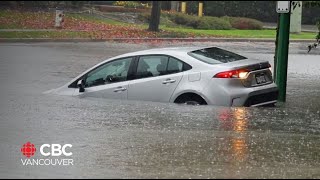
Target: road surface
[{"x": 132, "y": 139}]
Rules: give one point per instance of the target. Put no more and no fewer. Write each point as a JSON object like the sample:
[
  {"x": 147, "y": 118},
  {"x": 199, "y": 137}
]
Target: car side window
[
  {"x": 174, "y": 66},
  {"x": 151, "y": 66},
  {"x": 115, "y": 71}
]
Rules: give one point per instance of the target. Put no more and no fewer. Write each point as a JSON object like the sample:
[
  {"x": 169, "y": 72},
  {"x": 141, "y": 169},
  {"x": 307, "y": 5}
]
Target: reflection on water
[{"x": 236, "y": 120}]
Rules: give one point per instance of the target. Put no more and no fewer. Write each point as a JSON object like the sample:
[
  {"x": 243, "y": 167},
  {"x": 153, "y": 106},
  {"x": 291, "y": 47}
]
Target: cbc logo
[
  {"x": 55, "y": 150},
  {"x": 29, "y": 150}
]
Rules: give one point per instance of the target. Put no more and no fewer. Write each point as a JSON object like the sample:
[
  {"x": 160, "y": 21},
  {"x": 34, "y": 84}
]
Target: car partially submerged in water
[{"x": 183, "y": 75}]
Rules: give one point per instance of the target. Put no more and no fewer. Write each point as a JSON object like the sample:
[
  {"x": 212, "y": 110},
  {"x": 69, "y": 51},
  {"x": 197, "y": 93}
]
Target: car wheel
[{"x": 191, "y": 99}]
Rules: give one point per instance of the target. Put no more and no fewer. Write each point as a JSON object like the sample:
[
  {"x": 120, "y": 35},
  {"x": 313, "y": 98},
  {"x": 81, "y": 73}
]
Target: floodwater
[{"x": 132, "y": 139}]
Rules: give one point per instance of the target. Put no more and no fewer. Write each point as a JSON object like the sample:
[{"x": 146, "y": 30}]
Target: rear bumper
[
  {"x": 232, "y": 93},
  {"x": 257, "y": 97},
  {"x": 262, "y": 97}
]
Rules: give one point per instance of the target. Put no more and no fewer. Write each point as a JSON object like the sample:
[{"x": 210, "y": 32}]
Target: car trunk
[{"x": 259, "y": 73}]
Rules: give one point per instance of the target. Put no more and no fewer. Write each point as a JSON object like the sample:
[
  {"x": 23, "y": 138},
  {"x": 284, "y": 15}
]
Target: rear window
[{"x": 215, "y": 55}]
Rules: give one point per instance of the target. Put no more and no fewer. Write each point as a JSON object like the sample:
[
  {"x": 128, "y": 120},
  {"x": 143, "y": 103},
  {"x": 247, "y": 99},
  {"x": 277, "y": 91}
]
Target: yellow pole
[
  {"x": 183, "y": 7},
  {"x": 200, "y": 12}
]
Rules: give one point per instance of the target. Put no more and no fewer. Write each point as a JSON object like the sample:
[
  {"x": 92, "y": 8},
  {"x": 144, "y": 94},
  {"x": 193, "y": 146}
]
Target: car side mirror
[{"x": 80, "y": 85}]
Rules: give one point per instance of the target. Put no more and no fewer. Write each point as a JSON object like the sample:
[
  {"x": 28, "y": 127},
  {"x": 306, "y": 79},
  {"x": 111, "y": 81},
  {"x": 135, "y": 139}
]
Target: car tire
[{"x": 190, "y": 99}]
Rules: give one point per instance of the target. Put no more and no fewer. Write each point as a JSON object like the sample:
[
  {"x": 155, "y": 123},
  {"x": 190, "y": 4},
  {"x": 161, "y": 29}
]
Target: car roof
[{"x": 167, "y": 51}]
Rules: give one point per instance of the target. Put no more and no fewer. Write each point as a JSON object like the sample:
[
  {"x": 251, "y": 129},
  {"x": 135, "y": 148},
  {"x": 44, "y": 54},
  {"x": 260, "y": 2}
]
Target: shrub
[
  {"x": 244, "y": 23},
  {"x": 179, "y": 18},
  {"x": 130, "y": 4},
  {"x": 318, "y": 25},
  {"x": 144, "y": 17},
  {"x": 207, "y": 22},
  {"x": 213, "y": 23},
  {"x": 184, "y": 19},
  {"x": 164, "y": 19},
  {"x": 105, "y": 8}
]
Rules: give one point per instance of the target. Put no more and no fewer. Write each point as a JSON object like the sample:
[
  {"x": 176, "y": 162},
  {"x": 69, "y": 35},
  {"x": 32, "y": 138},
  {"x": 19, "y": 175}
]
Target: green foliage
[
  {"x": 209, "y": 22},
  {"x": 311, "y": 3},
  {"x": 164, "y": 19},
  {"x": 184, "y": 19},
  {"x": 130, "y": 4},
  {"x": 244, "y": 23},
  {"x": 318, "y": 25},
  {"x": 213, "y": 23},
  {"x": 192, "y": 7},
  {"x": 314, "y": 45},
  {"x": 144, "y": 17}
]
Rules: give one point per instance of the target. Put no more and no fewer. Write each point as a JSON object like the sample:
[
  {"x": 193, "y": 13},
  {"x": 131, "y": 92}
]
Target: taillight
[
  {"x": 239, "y": 73},
  {"x": 269, "y": 66}
]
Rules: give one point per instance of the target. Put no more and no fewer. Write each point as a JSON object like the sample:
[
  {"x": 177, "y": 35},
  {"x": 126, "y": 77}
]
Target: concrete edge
[{"x": 29, "y": 40}]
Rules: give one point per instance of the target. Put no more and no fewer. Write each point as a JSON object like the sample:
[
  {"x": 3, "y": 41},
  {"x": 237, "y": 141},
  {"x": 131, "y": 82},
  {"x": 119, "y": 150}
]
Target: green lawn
[
  {"x": 210, "y": 33},
  {"x": 240, "y": 33},
  {"x": 96, "y": 19},
  {"x": 15, "y": 20}
]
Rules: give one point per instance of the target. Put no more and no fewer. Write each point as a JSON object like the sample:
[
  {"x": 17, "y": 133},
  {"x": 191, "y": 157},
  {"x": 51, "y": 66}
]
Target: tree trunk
[{"x": 155, "y": 16}]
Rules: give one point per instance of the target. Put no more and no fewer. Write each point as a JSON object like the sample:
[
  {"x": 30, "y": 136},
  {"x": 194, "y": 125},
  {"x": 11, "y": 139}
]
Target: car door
[
  {"x": 156, "y": 78},
  {"x": 109, "y": 80}
]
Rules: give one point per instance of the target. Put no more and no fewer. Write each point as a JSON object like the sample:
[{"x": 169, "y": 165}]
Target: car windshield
[{"x": 215, "y": 55}]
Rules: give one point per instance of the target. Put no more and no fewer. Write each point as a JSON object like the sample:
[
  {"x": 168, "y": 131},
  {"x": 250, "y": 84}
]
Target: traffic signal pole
[{"x": 282, "y": 52}]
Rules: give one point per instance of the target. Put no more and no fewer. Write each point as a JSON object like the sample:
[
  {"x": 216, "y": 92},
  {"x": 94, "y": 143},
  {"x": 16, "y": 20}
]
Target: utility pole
[{"x": 282, "y": 49}]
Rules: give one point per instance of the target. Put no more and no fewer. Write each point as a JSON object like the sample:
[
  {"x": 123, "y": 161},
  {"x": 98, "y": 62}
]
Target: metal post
[
  {"x": 59, "y": 18},
  {"x": 282, "y": 55},
  {"x": 183, "y": 6},
  {"x": 200, "y": 11},
  {"x": 276, "y": 51}
]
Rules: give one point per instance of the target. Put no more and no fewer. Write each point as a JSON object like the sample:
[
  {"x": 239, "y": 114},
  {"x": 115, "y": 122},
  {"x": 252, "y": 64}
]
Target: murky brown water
[{"x": 131, "y": 139}]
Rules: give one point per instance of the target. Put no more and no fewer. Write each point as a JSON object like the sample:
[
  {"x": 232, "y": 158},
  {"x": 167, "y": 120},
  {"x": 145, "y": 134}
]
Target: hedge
[{"x": 206, "y": 22}]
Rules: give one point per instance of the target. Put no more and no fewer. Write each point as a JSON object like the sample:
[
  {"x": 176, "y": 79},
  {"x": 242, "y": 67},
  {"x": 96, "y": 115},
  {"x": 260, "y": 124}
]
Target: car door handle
[
  {"x": 168, "y": 81},
  {"x": 119, "y": 89}
]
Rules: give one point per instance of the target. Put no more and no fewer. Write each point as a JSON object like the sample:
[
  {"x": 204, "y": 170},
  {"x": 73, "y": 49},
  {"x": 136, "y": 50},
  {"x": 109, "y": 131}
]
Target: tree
[
  {"x": 311, "y": 3},
  {"x": 314, "y": 4},
  {"x": 155, "y": 16},
  {"x": 314, "y": 45}
]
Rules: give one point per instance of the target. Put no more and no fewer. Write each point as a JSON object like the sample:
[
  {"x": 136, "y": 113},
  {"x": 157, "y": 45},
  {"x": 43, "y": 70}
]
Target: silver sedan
[{"x": 184, "y": 75}]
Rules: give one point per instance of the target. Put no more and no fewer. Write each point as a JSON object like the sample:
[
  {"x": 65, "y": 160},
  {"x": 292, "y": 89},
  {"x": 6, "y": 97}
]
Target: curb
[{"x": 30, "y": 40}]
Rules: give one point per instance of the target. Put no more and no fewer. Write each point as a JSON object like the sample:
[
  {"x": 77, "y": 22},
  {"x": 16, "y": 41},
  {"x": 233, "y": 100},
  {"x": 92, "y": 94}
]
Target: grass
[
  {"x": 44, "y": 20},
  {"x": 173, "y": 34},
  {"x": 96, "y": 19},
  {"x": 267, "y": 33}
]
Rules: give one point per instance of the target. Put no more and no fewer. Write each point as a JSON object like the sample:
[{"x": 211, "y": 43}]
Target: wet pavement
[{"x": 132, "y": 139}]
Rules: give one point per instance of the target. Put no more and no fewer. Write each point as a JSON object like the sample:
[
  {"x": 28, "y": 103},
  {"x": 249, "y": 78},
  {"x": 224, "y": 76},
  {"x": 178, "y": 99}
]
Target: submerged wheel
[{"x": 190, "y": 99}]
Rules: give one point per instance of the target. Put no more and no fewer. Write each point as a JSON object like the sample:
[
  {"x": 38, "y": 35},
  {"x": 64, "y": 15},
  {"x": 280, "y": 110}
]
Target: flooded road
[{"x": 132, "y": 139}]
